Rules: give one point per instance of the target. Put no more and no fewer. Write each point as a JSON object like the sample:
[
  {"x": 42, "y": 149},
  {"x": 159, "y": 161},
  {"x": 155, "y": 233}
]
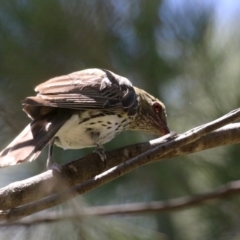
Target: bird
[{"x": 83, "y": 109}]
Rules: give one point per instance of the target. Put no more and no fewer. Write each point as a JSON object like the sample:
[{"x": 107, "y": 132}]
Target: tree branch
[
  {"x": 225, "y": 191},
  {"x": 74, "y": 173}
]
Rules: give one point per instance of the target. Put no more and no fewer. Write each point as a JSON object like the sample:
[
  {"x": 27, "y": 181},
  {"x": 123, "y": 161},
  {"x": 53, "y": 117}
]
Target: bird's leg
[
  {"x": 50, "y": 163},
  {"x": 99, "y": 147},
  {"x": 101, "y": 152}
]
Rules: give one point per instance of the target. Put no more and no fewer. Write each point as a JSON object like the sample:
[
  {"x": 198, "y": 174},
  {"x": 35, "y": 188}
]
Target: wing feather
[{"x": 86, "y": 89}]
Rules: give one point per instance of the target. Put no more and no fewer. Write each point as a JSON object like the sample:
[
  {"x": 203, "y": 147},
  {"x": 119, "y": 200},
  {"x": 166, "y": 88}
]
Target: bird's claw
[
  {"x": 54, "y": 166},
  {"x": 101, "y": 153}
]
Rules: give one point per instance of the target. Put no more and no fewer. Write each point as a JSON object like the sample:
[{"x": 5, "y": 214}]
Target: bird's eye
[{"x": 157, "y": 107}]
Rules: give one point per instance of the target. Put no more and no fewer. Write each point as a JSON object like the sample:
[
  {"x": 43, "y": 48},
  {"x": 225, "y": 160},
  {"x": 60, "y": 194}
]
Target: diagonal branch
[{"x": 162, "y": 151}]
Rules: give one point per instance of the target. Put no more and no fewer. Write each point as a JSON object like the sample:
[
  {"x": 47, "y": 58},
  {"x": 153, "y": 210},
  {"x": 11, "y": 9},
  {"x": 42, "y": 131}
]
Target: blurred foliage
[{"x": 180, "y": 51}]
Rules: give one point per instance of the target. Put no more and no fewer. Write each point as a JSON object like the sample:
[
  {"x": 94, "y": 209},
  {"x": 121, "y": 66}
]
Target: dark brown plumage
[{"x": 83, "y": 109}]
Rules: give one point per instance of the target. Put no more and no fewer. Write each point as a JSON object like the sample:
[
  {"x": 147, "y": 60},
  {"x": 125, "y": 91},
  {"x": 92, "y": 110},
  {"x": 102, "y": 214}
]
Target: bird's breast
[{"x": 90, "y": 128}]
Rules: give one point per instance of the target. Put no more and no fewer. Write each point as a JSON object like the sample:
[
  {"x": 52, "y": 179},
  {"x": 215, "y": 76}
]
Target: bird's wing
[
  {"x": 30, "y": 142},
  {"x": 87, "y": 89}
]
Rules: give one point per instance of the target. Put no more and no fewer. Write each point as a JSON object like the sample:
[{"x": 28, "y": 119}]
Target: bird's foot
[
  {"x": 101, "y": 153},
  {"x": 51, "y": 165}
]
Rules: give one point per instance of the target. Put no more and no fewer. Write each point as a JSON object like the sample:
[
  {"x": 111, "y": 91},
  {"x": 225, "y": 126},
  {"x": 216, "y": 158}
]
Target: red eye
[{"x": 157, "y": 107}]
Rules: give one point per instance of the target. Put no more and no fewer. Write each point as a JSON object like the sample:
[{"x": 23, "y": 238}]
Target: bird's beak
[
  {"x": 162, "y": 125},
  {"x": 164, "y": 129}
]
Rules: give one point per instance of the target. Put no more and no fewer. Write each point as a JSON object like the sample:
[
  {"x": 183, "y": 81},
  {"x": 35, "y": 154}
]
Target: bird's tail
[{"x": 31, "y": 141}]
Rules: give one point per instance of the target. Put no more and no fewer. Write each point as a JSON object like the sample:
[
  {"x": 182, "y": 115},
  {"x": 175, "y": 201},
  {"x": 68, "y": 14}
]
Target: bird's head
[{"x": 151, "y": 116}]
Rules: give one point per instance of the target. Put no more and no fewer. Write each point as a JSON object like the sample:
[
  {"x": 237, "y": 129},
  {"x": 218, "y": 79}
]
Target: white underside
[{"x": 73, "y": 135}]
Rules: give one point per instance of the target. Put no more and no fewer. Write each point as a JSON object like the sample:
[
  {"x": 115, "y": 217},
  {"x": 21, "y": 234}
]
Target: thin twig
[{"x": 225, "y": 191}]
